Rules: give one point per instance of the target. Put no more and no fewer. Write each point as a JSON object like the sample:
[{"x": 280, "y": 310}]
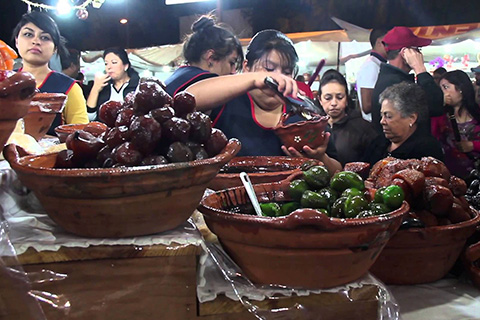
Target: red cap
[{"x": 403, "y": 37}]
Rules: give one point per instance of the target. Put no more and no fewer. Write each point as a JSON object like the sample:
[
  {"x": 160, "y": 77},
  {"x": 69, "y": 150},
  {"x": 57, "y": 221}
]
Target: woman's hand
[
  {"x": 287, "y": 85},
  {"x": 464, "y": 146},
  {"x": 100, "y": 81}
]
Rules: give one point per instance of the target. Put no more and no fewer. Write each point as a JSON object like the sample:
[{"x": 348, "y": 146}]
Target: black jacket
[{"x": 390, "y": 75}]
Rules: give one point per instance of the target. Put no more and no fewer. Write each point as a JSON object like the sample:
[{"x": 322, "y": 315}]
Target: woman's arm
[
  {"x": 100, "y": 81},
  {"x": 210, "y": 93},
  {"x": 75, "y": 110}
]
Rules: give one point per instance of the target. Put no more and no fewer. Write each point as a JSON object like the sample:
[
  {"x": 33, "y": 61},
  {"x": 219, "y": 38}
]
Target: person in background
[
  {"x": 37, "y": 38},
  {"x": 459, "y": 99},
  {"x": 211, "y": 50},
  {"x": 249, "y": 110},
  {"x": 476, "y": 83},
  {"x": 118, "y": 80},
  {"x": 404, "y": 106},
  {"x": 438, "y": 73},
  {"x": 351, "y": 133},
  {"x": 403, "y": 55},
  {"x": 368, "y": 73},
  {"x": 71, "y": 63}
]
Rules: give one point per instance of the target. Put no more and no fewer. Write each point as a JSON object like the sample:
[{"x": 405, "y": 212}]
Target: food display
[
  {"x": 149, "y": 128},
  {"x": 43, "y": 109}
]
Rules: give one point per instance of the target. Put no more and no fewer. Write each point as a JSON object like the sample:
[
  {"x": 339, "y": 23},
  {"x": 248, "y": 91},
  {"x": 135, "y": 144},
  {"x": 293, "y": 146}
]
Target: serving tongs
[{"x": 303, "y": 106}]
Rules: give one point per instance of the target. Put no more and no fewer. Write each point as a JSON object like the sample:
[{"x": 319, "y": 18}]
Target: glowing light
[
  {"x": 63, "y": 7},
  {"x": 123, "y": 20},
  {"x": 169, "y": 2}
]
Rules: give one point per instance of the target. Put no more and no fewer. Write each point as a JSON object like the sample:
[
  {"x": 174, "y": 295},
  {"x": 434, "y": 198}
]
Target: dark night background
[{"x": 151, "y": 22}]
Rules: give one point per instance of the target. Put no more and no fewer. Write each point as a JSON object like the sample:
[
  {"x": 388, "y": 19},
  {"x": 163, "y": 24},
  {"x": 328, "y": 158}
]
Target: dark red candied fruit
[
  {"x": 116, "y": 136},
  {"x": 153, "y": 160},
  {"x": 149, "y": 96},
  {"x": 126, "y": 155},
  {"x": 183, "y": 104},
  {"x": 125, "y": 117},
  {"x": 85, "y": 145},
  {"x": 108, "y": 112},
  {"x": 201, "y": 126},
  {"x": 179, "y": 152},
  {"x": 64, "y": 159},
  {"x": 217, "y": 141},
  {"x": 162, "y": 114},
  {"x": 176, "y": 129},
  {"x": 145, "y": 134}
]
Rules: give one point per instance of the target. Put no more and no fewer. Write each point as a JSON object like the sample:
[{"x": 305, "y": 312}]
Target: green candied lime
[
  {"x": 346, "y": 179},
  {"x": 393, "y": 196},
  {"x": 351, "y": 192},
  {"x": 337, "y": 210},
  {"x": 312, "y": 199},
  {"x": 379, "y": 195},
  {"x": 378, "y": 208},
  {"x": 324, "y": 211},
  {"x": 270, "y": 209},
  {"x": 308, "y": 164},
  {"x": 288, "y": 208},
  {"x": 317, "y": 177},
  {"x": 297, "y": 188},
  {"x": 329, "y": 193},
  {"x": 365, "y": 214},
  {"x": 353, "y": 206}
]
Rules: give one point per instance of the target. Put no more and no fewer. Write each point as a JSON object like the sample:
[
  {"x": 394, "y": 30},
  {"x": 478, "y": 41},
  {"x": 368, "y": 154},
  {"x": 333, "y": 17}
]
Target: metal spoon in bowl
[{"x": 251, "y": 193}]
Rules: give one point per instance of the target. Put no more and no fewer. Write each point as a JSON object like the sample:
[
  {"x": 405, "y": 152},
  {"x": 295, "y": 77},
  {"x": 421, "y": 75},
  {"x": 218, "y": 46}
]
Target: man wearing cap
[
  {"x": 476, "y": 83},
  {"x": 403, "y": 55},
  {"x": 368, "y": 73}
]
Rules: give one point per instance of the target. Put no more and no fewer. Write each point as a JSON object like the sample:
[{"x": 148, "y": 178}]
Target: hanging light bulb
[
  {"x": 82, "y": 14},
  {"x": 63, "y": 7},
  {"x": 97, "y": 3}
]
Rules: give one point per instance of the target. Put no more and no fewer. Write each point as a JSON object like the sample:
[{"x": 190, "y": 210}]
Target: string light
[{"x": 49, "y": 7}]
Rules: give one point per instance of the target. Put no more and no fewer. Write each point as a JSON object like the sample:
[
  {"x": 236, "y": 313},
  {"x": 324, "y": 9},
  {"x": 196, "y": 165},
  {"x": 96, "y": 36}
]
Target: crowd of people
[{"x": 403, "y": 111}]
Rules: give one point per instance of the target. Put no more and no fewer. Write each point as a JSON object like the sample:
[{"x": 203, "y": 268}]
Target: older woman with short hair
[{"x": 404, "y": 106}]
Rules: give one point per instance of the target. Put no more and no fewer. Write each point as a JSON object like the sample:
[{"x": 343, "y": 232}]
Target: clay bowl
[
  {"x": 261, "y": 169},
  {"x": 65, "y": 130},
  {"x": 422, "y": 255},
  {"x": 304, "y": 249},
  {"x": 43, "y": 110},
  {"x": 472, "y": 262},
  {"x": 299, "y": 134},
  {"x": 118, "y": 202},
  {"x": 16, "y": 93}
]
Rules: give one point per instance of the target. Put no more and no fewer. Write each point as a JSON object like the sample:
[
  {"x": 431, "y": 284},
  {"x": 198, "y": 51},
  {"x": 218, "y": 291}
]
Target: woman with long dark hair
[{"x": 461, "y": 146}]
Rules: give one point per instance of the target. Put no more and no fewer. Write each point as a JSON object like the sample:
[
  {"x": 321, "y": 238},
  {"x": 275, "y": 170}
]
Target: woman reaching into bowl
[
  {"x": 351, "y": 133},
  {"x": 37, "y": 38},
  {"x": 403, "y": 107},
  {"x": 459, "y": 97},
  {"x": 249, "y": 110}
]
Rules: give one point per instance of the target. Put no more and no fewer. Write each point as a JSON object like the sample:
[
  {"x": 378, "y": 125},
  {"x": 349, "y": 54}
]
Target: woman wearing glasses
[{"x": 249, "y": 109}]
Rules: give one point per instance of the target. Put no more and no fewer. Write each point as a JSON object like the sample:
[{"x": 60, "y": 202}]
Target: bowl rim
[
  {"x": 67, "y": 128},
  {"x": 321, "y": 119},
  {"x": 19, "y": 161},
  {"x": 271, "y": 159},
  {"x": 299, "y": 218}
]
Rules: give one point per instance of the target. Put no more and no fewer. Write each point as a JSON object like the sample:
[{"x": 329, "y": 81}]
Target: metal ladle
[{"x": 251, "y": 193}]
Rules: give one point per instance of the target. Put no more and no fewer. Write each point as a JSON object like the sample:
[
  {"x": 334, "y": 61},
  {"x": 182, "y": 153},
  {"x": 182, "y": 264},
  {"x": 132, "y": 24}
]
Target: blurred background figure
[
  {"x": 210, "y": 50},
  {"x": 37, "y": 38},
  {"x": 71, "y": 63},
  {"x": 368, "y": 73},
  {"x": 462, "y": 145},
  {"x": 476, "y": 83},
  {"x": 351, "y": 133},
  {"x": 118, "y": 80},
  {"x": 438, "y": 73},
  {"x": 403, "y": 108}
]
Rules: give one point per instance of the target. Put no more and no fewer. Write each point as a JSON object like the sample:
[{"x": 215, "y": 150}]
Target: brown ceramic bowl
[
  {"x": 118, "y": 202},
  {"x": 43, "y": 110},
  {"x": 65, "y": 130},
  {"x": 299, "y": 134},
  {"x": 422, "y": 255},
  {"x": 472, "y": 262},
  {"x": 261, "y": 169},
  {"x": 16, "y": 92},
  {"x": 304, "y": 249}
]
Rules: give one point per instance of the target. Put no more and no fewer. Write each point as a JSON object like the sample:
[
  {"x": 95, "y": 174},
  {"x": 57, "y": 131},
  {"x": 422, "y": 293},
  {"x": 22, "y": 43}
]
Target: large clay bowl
[
  {"x": 118, "y": 202},
  {"x": 16, "y": 93},
  {"x": 43, "y": 110},
  {"x": 261, "y": 169},
  {"x": 304, "y": 249},
  {"x": 422, "y": 255},
  {"x": 304, "y": 133}
]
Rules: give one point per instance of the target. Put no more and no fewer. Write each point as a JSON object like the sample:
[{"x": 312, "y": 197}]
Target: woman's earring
[{"x": 410, "y": 125}]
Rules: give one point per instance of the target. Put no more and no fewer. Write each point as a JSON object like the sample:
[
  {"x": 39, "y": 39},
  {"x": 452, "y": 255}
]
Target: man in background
[
  {"x": 404, "y": 55},
  {"x": 438, "y": 74},
  {"x": 368, "y": 73}
]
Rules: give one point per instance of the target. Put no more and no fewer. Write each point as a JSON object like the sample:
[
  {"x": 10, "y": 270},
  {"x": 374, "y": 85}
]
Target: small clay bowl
[
  {"x": 16, "y": 93},
  {"x": 260, "y": 169},
  {"x": 43, "y": 110},
  {"x": 422, "y": 255},
  {"x": 300, "y": 134},
  {"x": 94, "y": 127},
  {"x": 304, "y": 249},
  {"x": 118, "y": 202}
]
